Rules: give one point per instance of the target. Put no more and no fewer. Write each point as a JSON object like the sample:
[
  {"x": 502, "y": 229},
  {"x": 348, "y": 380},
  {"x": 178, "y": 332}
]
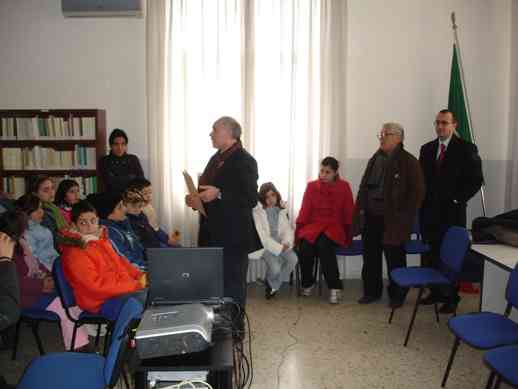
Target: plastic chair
[
  {"x": 68, "y": 301},
  {"x": 502, "y": 362},
  {"x": 486, "y": 330},
  {"x": 453, "y": 250},
  {"x": 33, "y": 317},
  {"x": 417, "y": 245},
  {"x": 81, "y": 370}
]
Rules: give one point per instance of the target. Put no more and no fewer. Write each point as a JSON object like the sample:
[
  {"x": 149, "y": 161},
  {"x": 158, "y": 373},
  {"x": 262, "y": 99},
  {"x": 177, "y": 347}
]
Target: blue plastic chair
[
  {"x": 486, "y": 330},
  {"x": 502, "y": 362},
  {"x": 453, "y": 250},
  {"x": 68, "y": 301},
  {"x": 417, "y": 245},
  {"x": 33, "y": 317},
  {"x": 82, "y": 370}
]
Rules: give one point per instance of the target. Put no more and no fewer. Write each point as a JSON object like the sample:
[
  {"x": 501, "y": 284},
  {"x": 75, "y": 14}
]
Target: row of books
[
  {"x": 51, "y": 127},
  {"x": 44, "y": 158},
  {"x": 16, "y": 186}
]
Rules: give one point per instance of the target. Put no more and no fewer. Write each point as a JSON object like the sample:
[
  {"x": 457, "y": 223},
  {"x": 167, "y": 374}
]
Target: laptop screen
[{"x": 185, "y": 275}]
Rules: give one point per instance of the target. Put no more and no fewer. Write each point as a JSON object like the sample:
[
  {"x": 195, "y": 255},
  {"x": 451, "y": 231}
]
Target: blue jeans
[{"x": 279, "y": 266}]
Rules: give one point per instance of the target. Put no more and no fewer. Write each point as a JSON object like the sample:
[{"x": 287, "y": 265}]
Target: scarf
[
  {"x": 216, "y": 162},
  {"x": 56, "y": 214}
]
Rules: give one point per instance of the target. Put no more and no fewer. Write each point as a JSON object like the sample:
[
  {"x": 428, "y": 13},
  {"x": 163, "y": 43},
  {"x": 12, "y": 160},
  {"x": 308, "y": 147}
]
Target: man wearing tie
[{"x": 453, "y": 175}]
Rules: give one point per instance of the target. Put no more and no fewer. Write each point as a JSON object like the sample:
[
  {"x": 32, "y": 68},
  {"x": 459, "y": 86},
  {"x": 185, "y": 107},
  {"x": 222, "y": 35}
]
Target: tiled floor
[{"x": 303, "y": 343}]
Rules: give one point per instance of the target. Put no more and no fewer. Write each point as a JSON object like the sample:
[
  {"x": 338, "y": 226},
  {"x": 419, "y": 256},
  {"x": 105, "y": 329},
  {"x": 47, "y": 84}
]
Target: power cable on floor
[{"x": 288, "y": 347}]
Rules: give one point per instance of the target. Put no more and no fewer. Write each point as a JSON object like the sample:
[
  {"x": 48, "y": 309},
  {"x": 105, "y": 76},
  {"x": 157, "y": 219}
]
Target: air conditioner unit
[{"x": 103, "y": 8}]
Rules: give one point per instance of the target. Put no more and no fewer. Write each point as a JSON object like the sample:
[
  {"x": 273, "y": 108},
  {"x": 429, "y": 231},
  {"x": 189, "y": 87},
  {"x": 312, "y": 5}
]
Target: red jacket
[
  {"x": 326, "y": 208},
  {"x": 96, "y": 272}
]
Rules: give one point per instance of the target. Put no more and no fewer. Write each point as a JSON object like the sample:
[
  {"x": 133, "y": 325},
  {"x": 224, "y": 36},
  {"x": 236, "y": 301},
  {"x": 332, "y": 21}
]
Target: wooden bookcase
[{"x": 60, "y": 138}]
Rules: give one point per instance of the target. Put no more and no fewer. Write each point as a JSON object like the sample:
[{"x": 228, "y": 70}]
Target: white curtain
[{"x": 277, "y": 66}]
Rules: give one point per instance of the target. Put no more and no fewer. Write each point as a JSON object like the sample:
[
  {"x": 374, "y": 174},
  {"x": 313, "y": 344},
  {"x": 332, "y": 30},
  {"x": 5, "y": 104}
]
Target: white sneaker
[
  {"x": 307, "y": 291},
  {"x": 334, "y": 296}
]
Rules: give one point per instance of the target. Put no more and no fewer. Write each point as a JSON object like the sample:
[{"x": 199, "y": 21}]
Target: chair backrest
[
  {"x": 511, "y": 293},
  {"x": 63, "y": 287},
  {"x": 453, "y": 250},
  {"x": 131, "y": 310}
]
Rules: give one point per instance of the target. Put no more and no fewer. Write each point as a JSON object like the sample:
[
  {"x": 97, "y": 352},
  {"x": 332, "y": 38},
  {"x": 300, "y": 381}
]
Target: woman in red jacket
[{"x": 323, "y": 224}]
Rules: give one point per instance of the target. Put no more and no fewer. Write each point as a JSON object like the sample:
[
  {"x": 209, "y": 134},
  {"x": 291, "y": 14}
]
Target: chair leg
[
  {"x": 107, "y": 339},
  {"x": 97, "y": 335},
  {"x": 125, "y": 378},
  {"x": 450, "y": 361},
  {"x": 498, "y": 382},
  {"x": 419, "y": 295},
  {"x": 297, "y": 278},
  {"x": 391, "y": 315},
  {"x": 74, "y": 333},
  {"x": 490, "y": 380},
  {"x": 436, "y": 312},
  {"x": 320, "y": 272},
  {"x": 16, "y": 339},
  {"x": 34, "y": 328}
]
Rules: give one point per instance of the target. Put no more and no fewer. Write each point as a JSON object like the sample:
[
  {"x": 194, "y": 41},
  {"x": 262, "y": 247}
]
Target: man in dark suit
[
  {"x": 228, "y": 188},
  {"x": 453, "y": 175}
]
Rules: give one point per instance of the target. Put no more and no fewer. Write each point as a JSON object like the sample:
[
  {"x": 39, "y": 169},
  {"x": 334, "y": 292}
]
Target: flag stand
[{"x": 466, "y": 100}]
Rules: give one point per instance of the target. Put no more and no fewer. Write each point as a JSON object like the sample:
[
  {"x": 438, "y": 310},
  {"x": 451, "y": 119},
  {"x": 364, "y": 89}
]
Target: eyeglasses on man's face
[
  {"x": 83, "y": 222},
  {"x": 383, "y": 134}
]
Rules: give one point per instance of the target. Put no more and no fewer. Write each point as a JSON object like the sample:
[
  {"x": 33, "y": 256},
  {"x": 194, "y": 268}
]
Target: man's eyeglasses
[
  {"x": 443, "y": 122},
  {"x": 382, "y": 134}
]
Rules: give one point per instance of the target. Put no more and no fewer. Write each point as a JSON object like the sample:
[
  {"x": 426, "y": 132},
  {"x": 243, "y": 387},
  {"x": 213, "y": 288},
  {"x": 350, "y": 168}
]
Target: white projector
[{"x": 174, "y": 330}]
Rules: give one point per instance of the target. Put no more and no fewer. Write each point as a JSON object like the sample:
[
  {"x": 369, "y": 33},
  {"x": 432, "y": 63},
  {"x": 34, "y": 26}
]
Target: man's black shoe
[
  {"x": 432, "y": 299},
  {"x": 368, "y": 299},
  {"x": 450, "y": 307}
]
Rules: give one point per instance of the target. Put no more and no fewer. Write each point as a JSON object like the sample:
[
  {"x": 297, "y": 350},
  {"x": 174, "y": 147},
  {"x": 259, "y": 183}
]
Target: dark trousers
[
  {"x": 372, "y": 271},
  {"x": 235, "y": 268},
  {"x": 448, "y": 293},
  {"x": 325, "y": 249}
]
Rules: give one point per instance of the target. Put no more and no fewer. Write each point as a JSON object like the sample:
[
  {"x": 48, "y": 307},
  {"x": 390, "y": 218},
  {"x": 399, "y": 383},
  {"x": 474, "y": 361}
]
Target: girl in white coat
[{"x": 276, "y": 234}]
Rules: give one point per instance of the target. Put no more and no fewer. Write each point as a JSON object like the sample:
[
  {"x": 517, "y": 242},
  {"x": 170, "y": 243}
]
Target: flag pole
[{"x": 466, "y": 99}]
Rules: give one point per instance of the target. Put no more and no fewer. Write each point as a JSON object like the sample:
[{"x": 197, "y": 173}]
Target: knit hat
[{"x": 104, "y": 203}]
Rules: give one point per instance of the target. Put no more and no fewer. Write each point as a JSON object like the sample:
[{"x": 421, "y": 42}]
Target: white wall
[
  {"x": 48, "y": 61},
  {"x": 399, "y": 70},
  {"x": 399, "y": 55}
]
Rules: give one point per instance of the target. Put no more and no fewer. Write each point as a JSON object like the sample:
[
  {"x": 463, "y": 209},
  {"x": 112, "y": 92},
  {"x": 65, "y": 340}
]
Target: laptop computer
[{"x": 185, "y": 275}]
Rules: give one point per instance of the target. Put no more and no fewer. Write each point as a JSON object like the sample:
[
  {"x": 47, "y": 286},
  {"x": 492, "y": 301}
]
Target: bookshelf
[{"x": 56, "y": 142}]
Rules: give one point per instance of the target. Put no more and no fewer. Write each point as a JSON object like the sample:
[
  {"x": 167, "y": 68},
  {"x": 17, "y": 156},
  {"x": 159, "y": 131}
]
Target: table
[
  {"x": 499, "y": 261},
  {"x": 218, "y": 360}
]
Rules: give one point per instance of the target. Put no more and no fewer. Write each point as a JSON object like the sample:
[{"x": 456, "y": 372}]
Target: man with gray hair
[
  {"x": 228, "y": 187},
  {"x": 390, "y": 194}
]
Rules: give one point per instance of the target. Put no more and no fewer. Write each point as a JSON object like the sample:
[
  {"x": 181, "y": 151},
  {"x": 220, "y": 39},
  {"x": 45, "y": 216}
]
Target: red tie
[{"x": 441, "y": 154}]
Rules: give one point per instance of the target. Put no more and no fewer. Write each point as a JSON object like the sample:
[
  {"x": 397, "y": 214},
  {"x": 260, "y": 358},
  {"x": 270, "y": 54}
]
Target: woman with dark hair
[
  {"x": 276, "y": 235},
  {"x": 323, "y": 224},
  {"x": 53, "y": 219},
  {"x": 68, "y": 194},
  {"x": 118, "y": 168}
]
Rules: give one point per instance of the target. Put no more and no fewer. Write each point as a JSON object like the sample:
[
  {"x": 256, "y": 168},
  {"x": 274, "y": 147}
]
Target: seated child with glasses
[
  {"x": 150, "y": 237},
  {"x": 96, "y": 272},
  {"x": 112, "y": 212},
  {"x": 34, "y": 265}
]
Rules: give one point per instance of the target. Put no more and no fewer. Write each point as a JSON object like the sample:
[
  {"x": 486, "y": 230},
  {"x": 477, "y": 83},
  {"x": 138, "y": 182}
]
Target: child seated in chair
[
  {"x": 150, "y": 237},
  {"x": 94, "y": 269},
  {"x": 112, "y": 213},
  {"x": 276, "y": 234},
  {"x": 34, "y": 265},
  {"x": 67, "y": 195}
]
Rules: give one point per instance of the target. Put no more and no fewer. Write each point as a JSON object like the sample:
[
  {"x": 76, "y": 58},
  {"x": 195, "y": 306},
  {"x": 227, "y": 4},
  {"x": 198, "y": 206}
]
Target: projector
[{"x": 173, "y": 330}]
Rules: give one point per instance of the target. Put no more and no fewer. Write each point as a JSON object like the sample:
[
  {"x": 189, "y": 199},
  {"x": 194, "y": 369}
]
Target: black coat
[
  {"x": 230, "y": 223},
  {"x": 448, "y": 187},
  {"x": 115, "y": 173}
]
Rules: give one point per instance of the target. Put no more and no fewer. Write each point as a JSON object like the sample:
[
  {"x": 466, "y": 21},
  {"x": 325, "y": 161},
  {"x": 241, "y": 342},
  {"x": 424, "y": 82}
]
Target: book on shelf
[
  {"x": 47, "y": 128},
  {"x": 16, "y": 186},
  {"x": 46, "y": 158}
]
